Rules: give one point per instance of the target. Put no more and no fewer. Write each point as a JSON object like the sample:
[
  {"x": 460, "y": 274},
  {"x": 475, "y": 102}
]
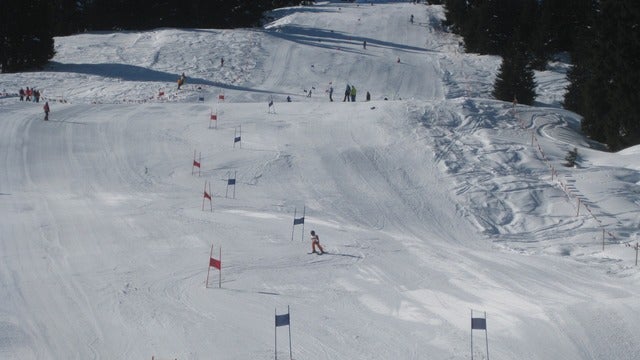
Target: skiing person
[
  {"x": 221, "y": 62},
  {"x": 368, "y": 96},
  {"x": 46, "y": 111},
  {"x": 21, "y": 94},
  {"x": 411, "y": 18},
  {"x": 181, "y": 80},
  {"x": 364, "y": 44},
  {"x": 353, "y": 93},
  {"x": 331, "y": 93},
  {"x": 315, "y": 241},
  {"x": 347, "y": 93}
]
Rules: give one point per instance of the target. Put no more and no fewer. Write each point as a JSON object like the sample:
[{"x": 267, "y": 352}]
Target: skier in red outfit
[{"x": 315, "y": 241}]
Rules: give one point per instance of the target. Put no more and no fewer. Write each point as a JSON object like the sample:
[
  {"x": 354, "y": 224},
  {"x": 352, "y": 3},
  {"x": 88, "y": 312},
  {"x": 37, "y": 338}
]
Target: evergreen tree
[
  {"x": 66, "y": 17},
  {"x": 515, "y": 79},
  {"x": 560, "y": 23},
  {"x": 26, "y": 38},
  {"x": 490, "y": 26},
  {"x": 620, "y": 45},
  {"x": 149, "y": 14},
  {"x": 456, "y": 12},
  {"x": 604, "y": 83},
  {"x": 583, "y": 58}
]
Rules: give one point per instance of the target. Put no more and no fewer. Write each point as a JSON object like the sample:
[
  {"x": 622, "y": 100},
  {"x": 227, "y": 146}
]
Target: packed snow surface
[{"x": 432, "y": 200}]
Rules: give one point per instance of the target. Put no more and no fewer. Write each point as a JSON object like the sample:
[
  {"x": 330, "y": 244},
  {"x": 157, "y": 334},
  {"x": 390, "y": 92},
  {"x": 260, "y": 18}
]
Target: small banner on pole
[
  {"x": 282, "y": 320},
  {"x": 207, "y": 195},
  {"x": 196, "y": 163},
  {"x": 298, "y": 221},
  {"x": 217, "y": 264},
  {"x": 231, "y": 182},
  {"x": 478, "y": 323},
  {"x": 213, "y": 117},
  {"x": 237, "y": 137}
]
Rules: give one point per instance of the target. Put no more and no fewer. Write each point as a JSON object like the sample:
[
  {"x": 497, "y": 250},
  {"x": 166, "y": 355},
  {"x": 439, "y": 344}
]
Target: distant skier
[
  {"x": 353, "y": 93},
  {"x": 288, "y": 98},
  {"x": 46, "y": 111},
  {"x": 364, "y": 44},
  {"x": 411, "y": 20},
  {"x": 21, "y": 94},
  {"x": 331, "y": 93},
  {"x": 181, "y": 80},
  {"x": 315, "y": 241},
  {"x": 221, "y": 62},
  {"x": 368, "y": 96}
]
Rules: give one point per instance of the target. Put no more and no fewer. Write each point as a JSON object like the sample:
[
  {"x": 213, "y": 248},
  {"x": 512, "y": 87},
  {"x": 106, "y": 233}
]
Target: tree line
[
  {"x": 602, "y": 37},
  {"x": 27, "y": 27}
]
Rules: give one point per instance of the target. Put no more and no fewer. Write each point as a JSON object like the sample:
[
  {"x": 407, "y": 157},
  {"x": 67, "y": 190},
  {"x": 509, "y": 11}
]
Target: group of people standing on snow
[
  {"x": 29, "y": 94},
  {"x": 350, "y": 94},
  {"x": 33, "y": 95}
]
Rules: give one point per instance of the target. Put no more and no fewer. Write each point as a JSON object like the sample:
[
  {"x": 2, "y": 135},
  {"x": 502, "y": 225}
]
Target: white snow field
[{"x": 431, "y": 204}]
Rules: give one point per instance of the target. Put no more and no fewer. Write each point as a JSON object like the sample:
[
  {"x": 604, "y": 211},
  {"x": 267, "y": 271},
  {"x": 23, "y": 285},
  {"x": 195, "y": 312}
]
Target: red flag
[
  {"x": 214, "y": 117},
  {"x": 215, "y": 263},
  {"x": 207, "y": 196},
  {"x": 221, "y": 97},
  {"x": 196, "y": 163}
]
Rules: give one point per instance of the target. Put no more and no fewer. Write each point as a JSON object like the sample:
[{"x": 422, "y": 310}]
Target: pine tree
[
  {"x": 621, "y": 46},
  {"x": 604, "y": 83},
  {"x": 515, "y": 79},
  {"x": 579, "y": 76},
  {"x": 571, "y": 158},
  {"x": 26, "y": 37},
  {"x": 456, "y": 12},
  {"x": 66, "y": 16}
]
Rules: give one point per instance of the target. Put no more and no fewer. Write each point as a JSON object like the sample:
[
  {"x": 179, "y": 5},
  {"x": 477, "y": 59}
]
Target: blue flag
[
  {"x": 231, "y": 182},
  {"x": 282, "y": 320},
  {"x": 298, "y": 221},
  {"x": 236, "y": 139},
  {"x": 478, "y": 324}
]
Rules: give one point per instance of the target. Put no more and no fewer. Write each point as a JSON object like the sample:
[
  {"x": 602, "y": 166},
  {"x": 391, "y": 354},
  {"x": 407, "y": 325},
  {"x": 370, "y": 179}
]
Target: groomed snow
[{"x": 432, "y": 203}]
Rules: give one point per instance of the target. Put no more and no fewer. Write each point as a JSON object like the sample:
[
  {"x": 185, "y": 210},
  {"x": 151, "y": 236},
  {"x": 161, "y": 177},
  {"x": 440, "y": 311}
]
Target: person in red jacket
[
  {"x": 315, "y": 241},
  {"x": 46, "y": 111}
]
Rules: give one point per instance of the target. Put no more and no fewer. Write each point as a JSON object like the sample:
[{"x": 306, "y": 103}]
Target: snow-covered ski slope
[{"x": 433, "y": 203}]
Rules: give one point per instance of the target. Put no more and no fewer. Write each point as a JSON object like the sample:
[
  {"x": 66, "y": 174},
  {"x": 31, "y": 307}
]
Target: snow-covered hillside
[{"x": 431, "y": 200}]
